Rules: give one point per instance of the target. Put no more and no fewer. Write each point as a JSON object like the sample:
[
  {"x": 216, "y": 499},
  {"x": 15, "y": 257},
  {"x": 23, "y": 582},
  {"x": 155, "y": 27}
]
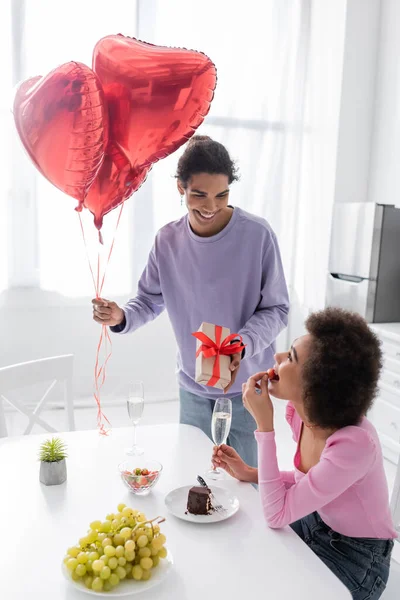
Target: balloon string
[{"x": 105, "y": 339}]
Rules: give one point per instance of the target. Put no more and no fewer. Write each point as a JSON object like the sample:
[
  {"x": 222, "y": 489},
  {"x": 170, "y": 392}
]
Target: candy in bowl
[{"x": 140, "y": 476}]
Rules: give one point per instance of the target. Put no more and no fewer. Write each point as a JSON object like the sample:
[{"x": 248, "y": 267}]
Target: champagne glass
[
  {"x": 135, "y": 406},
  {"x": 220, "y": 427}
]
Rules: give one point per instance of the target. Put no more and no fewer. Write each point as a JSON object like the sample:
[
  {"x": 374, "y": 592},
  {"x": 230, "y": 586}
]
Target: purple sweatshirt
[{"x": 234, "y": 279}]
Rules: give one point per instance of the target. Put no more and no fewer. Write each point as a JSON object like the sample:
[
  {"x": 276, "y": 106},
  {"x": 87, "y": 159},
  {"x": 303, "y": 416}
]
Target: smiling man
[{"x": 217, "y": 264}]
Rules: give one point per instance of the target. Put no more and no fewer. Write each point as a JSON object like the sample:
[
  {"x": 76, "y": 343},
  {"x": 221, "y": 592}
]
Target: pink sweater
[{"x": 347, "y": 487}]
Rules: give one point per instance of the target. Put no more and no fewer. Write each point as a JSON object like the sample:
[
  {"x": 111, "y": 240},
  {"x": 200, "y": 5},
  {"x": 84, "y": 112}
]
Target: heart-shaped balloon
[
  {"x": 62, "y": 122},
  {"x": 157, "y": 97}
]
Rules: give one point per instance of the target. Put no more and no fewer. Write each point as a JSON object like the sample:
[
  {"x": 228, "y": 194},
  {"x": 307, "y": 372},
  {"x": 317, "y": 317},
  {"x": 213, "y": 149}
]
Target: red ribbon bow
[{"x": 210, "y": 348}]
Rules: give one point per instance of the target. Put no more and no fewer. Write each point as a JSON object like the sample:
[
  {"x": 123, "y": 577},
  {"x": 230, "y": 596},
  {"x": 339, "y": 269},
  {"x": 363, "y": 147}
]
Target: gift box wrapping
[{"x": 205, "y": 365}]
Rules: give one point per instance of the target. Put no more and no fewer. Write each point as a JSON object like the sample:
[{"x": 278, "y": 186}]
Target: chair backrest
[{"x": 56, "y": 370}]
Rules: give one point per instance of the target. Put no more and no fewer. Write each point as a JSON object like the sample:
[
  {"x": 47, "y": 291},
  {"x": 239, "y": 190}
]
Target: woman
[
  {"x": 217, "y": 264},
  {"x": 336, "y": 498}
]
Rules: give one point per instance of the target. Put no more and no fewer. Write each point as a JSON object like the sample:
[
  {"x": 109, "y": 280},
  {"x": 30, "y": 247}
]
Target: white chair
[{"x": 55, "y": 370}]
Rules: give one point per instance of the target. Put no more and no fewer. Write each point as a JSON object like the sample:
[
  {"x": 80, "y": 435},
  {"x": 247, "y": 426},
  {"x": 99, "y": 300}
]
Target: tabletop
[{"x": 230, "y": 559}]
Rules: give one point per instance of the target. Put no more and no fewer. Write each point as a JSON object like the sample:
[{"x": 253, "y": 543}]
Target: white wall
[
  {"x": 35, "y": 324},
  {"x": 362, "y": 39},
  {"x": 385, "y": 147}
]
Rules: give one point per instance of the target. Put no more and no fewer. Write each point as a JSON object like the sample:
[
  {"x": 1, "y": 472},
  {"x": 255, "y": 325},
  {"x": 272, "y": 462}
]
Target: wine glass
[
  {"x": 220, "y": 427},
  {"x": 135, "y": 406}
]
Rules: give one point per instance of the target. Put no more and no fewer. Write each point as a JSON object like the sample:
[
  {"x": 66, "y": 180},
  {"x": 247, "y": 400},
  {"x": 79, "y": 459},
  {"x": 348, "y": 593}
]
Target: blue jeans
[
  {"x": 362, "y": 564},
  {"x": 197, "y": 411}
]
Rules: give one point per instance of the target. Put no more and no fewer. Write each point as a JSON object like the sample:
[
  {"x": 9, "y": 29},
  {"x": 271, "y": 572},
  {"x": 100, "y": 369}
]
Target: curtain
[{"x": 272, "y": 88}]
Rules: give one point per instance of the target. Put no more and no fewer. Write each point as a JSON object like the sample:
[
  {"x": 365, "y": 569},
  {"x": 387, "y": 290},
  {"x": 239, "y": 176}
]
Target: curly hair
[
  {"x": 340, "y": 375},
  {"x": 204, "y": 155}
]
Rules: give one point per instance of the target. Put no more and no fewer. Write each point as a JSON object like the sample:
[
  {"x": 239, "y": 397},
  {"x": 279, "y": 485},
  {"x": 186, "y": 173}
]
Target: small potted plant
[{"x": 53, "y": 467}]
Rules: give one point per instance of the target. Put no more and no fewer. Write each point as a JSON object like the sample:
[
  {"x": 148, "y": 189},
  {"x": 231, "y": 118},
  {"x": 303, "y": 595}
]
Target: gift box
[{"x": 213, "y": 354}]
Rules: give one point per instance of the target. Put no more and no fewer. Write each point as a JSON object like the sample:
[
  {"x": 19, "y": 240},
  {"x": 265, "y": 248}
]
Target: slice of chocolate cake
[{"x": 199, "y": 502}]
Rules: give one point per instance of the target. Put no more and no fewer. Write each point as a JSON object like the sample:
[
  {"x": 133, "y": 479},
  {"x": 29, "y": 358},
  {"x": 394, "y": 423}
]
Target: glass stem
[{"x": 134, "y": 435}]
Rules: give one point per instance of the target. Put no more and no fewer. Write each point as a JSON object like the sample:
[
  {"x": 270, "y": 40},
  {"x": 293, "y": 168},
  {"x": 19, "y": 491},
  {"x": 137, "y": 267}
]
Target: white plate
[
  {"x": 176, "y": 502},
  {"x": 128, "y": 587}
]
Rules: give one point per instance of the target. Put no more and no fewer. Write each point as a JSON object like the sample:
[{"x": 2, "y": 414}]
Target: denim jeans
[
  {"x": 197, "y": 411},
  {"x": 362, "y": 564}
]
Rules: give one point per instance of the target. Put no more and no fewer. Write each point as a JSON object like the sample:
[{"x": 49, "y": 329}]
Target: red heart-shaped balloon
[
  {"x": 157, "y": 97},
  {"x": 62, "y": 122}
]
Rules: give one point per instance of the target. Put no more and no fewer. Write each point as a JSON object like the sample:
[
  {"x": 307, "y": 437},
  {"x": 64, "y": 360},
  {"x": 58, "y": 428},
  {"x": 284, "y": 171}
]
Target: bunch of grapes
[{"x": 124, "y": 546}]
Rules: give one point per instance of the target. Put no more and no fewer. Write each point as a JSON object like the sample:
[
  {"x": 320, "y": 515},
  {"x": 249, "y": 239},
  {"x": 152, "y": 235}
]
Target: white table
[{"x": 232, "y": 559}]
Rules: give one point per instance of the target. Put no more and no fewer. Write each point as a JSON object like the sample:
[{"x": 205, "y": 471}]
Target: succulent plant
[{"x": 53, "y": 450}]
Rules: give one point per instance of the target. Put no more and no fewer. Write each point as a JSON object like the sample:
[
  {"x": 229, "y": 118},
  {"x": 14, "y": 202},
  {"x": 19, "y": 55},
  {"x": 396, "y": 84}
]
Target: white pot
[{"x": 53, "y": 473}]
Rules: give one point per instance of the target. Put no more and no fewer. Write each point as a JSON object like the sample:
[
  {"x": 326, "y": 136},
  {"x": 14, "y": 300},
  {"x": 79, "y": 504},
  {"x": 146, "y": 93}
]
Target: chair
[{"x": 56, "y": 370}]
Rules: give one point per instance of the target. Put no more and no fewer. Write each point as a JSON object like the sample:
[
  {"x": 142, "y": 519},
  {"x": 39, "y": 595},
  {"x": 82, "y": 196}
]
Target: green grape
[
  {"x": 137, "y": 572},
  {"x": 156, "y": 528},
  {"x": 104, "y": 558},
  {"x": 121, "y": 572},
  {"x": 98, "y": 565},
  {"x": 75, "y": 577},
  {"x": 95, "y": 525},
  {"x": 142, "y": 541},
  {"x": 88, "y": 582},
  {"x": 93, "y": 556},
  {"x": 97, "y": 584},
  {"x": 127, "y": 512},
  {"x": 144, "y": 552},
  {"x": 114, "y": 579},
  {"x": 130, "y": 546},
  {"x": 80, "y": 570},
  {"x": 105, "y": 573},
  {"x": 105, "y": 527},
  {"x": 141, "y": 517},
  {"x": 124, "y": 521},
  {"x": 66, "y": 559},
  {"x": 118, "y": 540},
  {"x": 84, "y": 541},
  {"x": 109, "y": 551},
  {"x": 128, "y": 570},
  {"x": 119, "y": 551},
  {"x": 82, "y": 557},
  {"x": 72, "y": 564},
  {"x": 121, "y": 507},
  {"x": 140, "y": 531},
  {"x": 74, "y": 551},
  {"x": 110, "y": 517},
  {"x": 158, "y": 542},
  {"x": 126, "y": 533},
  {"x": 156, "y": 560},
  {"x": 91, "y": 537},
  {"x": 162, "y": 553},
  {"x": 146, "y": 575},
  {"x": 101, "y": 537},
  {"x": 107, "y": 587},
  {"x": 130, "y": 556},
  {"x": 115, "y": 523},
  {"x": 113, "y": 562},
  {"x": 146, "y": 563},
  {"x": 89, "y": 567},
  {"x": 122, "y": 561},
  {"x": 106, "y": 542}
]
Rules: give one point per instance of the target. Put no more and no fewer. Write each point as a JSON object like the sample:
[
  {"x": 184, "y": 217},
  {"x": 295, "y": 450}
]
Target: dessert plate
[{"x": 176, "y": 502}]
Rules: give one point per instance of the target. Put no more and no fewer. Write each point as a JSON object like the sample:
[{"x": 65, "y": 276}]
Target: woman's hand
[
  {"x": 106, "y": 312},
  {"x": 228, "y": 459},
  {"x": 258, "y": 402}
]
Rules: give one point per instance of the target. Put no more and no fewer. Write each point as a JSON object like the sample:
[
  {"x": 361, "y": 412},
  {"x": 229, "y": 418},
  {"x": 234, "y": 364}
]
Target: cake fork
[{"x": 216, "y": 506}]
